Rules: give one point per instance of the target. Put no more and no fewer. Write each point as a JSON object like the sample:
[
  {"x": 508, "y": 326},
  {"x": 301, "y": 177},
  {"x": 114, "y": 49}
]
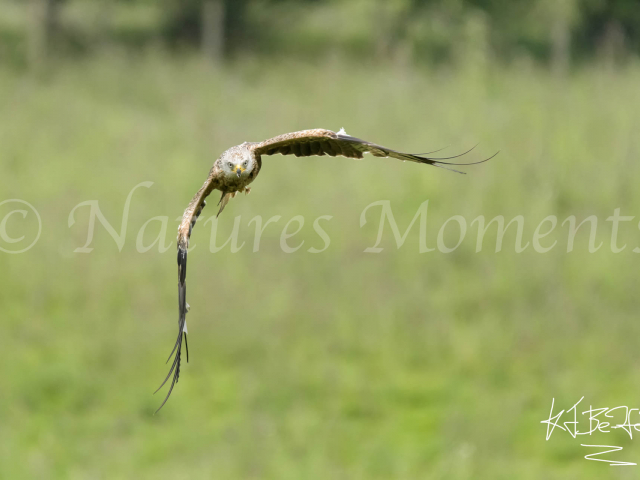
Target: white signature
[{"x": 600, "y": 420}]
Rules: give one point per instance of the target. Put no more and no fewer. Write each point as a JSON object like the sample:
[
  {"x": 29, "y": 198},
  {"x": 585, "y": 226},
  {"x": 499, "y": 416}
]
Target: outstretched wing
[
  {"x": 325, "y": 142},
  {"x": 189, "y": 218}
]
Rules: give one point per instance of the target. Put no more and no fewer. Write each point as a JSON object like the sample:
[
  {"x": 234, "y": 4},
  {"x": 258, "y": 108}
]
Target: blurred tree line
[{"x": 558, "y": 32}]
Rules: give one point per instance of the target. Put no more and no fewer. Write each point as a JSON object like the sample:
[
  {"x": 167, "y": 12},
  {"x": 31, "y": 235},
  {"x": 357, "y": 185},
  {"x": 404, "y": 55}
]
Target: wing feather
[
  {"x": 326, "y": 142},
  {"x": 189, "y": 219},
  {"x": 327, "y": 148},
  {"x": 295, "y": 149},
  {"x": 305, "y": 149}
]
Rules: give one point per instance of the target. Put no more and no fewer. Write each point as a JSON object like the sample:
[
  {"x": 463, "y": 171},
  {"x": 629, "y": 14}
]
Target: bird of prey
[{"x": 238, "y": 167}]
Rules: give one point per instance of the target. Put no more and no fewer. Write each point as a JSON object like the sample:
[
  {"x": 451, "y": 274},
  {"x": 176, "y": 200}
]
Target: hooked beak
[{"x": 239, "y": 170}]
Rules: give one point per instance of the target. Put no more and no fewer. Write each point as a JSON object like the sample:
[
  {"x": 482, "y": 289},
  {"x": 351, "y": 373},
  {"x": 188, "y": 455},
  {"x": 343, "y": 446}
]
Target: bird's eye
[
  {"x": 230, "y": 164},
  {"x": 246, "y": 162}
]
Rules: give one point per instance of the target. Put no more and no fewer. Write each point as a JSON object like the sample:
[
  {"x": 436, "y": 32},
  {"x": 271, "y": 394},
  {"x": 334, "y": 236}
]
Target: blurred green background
[{"x": 341, "y": 364}]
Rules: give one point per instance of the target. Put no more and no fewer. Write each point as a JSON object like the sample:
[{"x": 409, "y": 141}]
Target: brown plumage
[{"x": 239, "y": 166}]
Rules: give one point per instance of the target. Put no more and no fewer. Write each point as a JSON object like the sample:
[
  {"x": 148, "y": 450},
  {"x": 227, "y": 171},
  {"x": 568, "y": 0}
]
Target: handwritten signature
[{"x": 600, "y": 420}]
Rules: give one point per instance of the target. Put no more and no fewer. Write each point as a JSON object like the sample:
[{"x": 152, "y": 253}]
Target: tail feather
[{"x": 224, "y": 199}]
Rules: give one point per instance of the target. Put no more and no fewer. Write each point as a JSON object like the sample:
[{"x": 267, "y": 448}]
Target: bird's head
[{"x": 237, "y": 165}]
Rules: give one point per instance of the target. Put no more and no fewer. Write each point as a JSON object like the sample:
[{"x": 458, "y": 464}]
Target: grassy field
[{"x": 339, "y": 364}]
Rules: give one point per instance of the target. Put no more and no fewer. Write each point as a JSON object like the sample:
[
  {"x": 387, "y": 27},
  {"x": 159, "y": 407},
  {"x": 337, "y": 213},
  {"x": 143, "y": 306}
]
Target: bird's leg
[{"x": 247, "y": 190}]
